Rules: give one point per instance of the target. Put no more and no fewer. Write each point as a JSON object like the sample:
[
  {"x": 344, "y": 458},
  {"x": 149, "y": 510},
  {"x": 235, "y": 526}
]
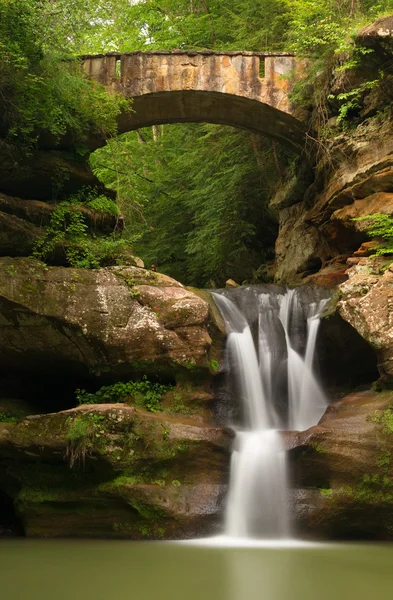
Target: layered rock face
[
  {"x": 107, "y": 469},
  {"x": 317, "y": 231},
  {"x": 342, "y": 470},
  {"x": 114, "y": 470}
]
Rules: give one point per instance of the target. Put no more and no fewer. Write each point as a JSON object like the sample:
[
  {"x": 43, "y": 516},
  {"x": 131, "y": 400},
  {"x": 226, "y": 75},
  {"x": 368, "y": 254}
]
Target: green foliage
[
  {"x": 385, "y": 418},
  {"x": 198, "y": 196},
  {"x": 144, "y": 393},
  {"x": 6, "y": 418},
  {"x": 68, "y": 232},
  {"x": 82, "y": 432},
  {"x": 214, "y": 365},
  {"x": 317, "y": 26},
  {"x": 374, "y": 488},
  {"x": 351, "y": 101},
  {"x": 40, "y": 91},
  {"x": 102, "y": 204},
  {"x": 380, "y": 226},
  {"x": 326, "y": 492}
]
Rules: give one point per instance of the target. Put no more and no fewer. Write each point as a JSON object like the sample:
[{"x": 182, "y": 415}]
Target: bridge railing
[{"x": 261, "y": 76}]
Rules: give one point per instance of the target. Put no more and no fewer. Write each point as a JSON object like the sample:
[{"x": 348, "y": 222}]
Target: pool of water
[{"x": 113, "y": 570}]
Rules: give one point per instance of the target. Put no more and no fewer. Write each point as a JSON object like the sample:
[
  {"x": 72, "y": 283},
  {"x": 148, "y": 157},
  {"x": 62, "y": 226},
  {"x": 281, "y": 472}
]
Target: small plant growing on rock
[
  {"x": 380, "y": 226},
  {"x": 6, "y": 418},
  {"x": 81, "y": 434},
  {"x": 144, "y": 393}
]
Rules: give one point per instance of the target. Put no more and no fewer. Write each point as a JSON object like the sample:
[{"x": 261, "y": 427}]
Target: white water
[{"x": 277, "y": 389}]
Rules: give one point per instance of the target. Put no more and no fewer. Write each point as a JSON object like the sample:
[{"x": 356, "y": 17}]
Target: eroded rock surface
[
  {"x": 366, "y": 302},
  {"x": 114, "y": 470},
  {"x": 343, "y": 472},
  {"x": 121, "y": 319},
  {"x": 353, "y": 178}
]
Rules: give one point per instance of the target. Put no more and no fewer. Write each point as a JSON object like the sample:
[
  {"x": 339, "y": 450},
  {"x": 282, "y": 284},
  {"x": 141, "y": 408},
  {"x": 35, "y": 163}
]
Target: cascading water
[{"x": 274, "y": 380}]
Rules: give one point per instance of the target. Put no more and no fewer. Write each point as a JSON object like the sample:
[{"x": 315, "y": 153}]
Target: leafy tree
[
  {"x": 38, "y": 90},
  {"x": 198, "y": 194}
]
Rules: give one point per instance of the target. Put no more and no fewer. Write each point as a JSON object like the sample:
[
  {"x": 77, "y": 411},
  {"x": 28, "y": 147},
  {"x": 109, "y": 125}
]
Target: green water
[{"x": 112, "y": 570}]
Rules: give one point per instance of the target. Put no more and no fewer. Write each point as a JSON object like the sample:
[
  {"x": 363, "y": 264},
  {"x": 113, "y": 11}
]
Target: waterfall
[{"x": 274, "y": 381}]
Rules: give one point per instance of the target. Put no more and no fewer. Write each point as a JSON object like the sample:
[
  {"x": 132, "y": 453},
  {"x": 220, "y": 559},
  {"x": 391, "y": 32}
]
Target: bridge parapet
[{"x": 263, "y": 77}]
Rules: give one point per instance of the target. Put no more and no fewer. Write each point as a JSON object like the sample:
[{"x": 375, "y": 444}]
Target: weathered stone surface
[
  {"x": 117, "y": 319},
  {"x": 17, "y": 237},
  {"x": 343, "y": 474},
  {"x": 45, "y": 175},
  {"x": 354, "y": 178},
  {"x": 212, "y": 87},
  {"x": 300, "y": 248},
  {"x": 334, "y": 273},
  {"x": 133, "y": 473},
  {"x": 367, "y": 304},
  {"x": 379, "y": 33},
  {"x": 380, "y": 202}
]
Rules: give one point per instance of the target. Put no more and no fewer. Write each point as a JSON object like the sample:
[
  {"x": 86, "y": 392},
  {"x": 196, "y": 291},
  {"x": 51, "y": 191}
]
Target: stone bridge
[{"x": 244, "y": 89}]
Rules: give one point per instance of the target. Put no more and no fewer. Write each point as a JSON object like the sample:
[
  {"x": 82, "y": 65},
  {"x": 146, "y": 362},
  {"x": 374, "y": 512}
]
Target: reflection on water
[{"x": 113, "y": 570}]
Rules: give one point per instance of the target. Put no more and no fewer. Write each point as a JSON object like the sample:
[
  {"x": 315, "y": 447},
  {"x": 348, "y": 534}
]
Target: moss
[
  {"x": 130, "y": 282},
  {"x": 318, "y": 448},
  {"x": 40, "y": 494},
  {"x": 384, "y": 460},
  {"x": 374, "y": 489},
  {"x": 385, "y": 418},
  {"x": 326, "y": 492}
]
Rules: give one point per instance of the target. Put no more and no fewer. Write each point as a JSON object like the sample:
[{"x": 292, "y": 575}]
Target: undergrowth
[
  {"x": 81, "y": 434},
  {"x": 68, "y": 231},
  {"x": 380, "y": 226},
  {"x": 144, "y": 393},
  {"x": 6, "y": 418}
]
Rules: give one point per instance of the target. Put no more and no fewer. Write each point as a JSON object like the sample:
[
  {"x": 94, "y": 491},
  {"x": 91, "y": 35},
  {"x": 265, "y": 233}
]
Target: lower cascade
[{"x": 270, "y": 352}]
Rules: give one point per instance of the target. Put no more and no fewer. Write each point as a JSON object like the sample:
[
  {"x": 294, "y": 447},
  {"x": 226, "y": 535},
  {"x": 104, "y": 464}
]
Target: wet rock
[
  {"x": 133, "y": 473},
  {"x": 343, "y": 473},
  {"x": 231, "y": 284}
]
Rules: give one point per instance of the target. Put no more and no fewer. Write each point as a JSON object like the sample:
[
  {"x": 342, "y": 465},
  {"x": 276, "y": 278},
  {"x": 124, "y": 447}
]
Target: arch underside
[{"x": 194, "y": 106}]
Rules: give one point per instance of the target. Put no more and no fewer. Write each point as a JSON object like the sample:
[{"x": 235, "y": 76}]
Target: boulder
[
  {"x": 114, "y": 470},
  {"x": 17, "y": 237},
  {"x": 40, "y": 213},
  {"x": 343, "y": 472},
  {"x": 378, "y": 34},
  {"x": 366, "y": 303},
  {"x": 117, "y": 320}
]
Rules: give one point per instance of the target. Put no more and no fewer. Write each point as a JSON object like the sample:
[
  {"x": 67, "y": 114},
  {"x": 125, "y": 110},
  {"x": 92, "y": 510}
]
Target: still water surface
[{"x": 113, "y": 570}]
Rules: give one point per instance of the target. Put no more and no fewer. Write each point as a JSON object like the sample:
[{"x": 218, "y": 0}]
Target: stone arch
[
  {"x": 187, "y": 106},
  {"x": 249, "y": 90}
]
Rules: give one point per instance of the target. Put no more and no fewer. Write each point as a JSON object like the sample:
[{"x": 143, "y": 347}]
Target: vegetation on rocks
[
  {"x": 195, "y": 197},
  {"x": 380, "y": 226},
  {"x": 144, "y": 393}
]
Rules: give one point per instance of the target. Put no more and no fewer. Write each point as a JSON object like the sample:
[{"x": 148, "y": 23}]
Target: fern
[{"x": 380, "y": 226}]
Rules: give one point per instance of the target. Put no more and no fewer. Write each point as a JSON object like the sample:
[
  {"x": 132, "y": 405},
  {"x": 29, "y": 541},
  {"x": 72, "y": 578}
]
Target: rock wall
[
  {"x": 115, "y": 470},
  {"x": 317, "y": 230},
  {"x": 342, "y": 470}
]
